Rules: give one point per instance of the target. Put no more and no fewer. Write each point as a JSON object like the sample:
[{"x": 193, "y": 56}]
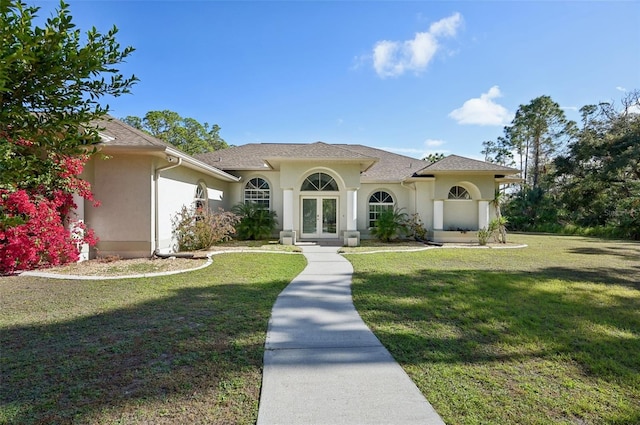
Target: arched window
[
  {"x": 379, "y": 201},
  {"x": 200, "y": 199},
  {"x": 257, "y": 191},
  {"x": 459, "y": 192},
  {"x": 319, "y": 182}
]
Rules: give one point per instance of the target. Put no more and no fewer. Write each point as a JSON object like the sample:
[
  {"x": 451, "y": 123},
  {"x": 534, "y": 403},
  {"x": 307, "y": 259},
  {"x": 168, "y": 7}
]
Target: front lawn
[
  {"x": 540, "y": 335},
  {"x": 186, "y": 348}
]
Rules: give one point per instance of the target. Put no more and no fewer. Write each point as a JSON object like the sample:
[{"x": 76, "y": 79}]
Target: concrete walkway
[{"x": 322, "y": 364}]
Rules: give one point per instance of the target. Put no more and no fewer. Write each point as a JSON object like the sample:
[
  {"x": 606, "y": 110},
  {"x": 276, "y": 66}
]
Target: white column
[
  {"x": 77, "y": 217},
  {"x": 438, "y": 214},
  {"x": 287, "y": 209},
  {"x": 352, "y": 209},
  {"x": 483, "y": 214}
]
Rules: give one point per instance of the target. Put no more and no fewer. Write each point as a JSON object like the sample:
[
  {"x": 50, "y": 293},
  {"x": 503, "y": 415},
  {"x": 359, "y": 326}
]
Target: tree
[
  {"x": 599, "y": 175},
  {"x": 434, "y": 157},
  {"x": 52, "y": 81},
  {"x": 498, "y": 152},
  {"x": 500, "y": 222},
  {"x": 537, "y": 131},
  {"x": 187, "y": 134}
]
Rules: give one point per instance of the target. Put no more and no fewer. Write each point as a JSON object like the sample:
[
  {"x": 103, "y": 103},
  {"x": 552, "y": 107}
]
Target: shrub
[
  {"x": 256, "y": 222},
  {"x": 201, "y": 228},
  {"x": 416, "y": 227},
  {"x": 33, "y": 232},
  {"x": 483, "y": 236},
  {"x": 390, "y": 224}
]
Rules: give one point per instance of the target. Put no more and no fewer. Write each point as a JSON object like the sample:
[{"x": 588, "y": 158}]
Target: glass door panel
[
  {"x": 309, "y": 215},
  {"x": 329, "y": 216}
]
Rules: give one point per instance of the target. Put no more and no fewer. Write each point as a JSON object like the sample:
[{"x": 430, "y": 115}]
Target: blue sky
[{"x": 410, "y": 77}]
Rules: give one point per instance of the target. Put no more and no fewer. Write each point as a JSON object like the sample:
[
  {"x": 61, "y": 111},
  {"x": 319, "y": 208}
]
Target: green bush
[
  {"x": 483, "y": 236},
  {"x": 256, "y": 222},
  {"x": 416, "y": 227},
  {"x": 201, "y": 228},
  {"x": 391, "y": 223}
]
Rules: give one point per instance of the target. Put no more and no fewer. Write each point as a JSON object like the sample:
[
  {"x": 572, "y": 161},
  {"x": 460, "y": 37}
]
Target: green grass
[
  {"x": 540, "y": 335},
  {"x": 185, "y": 348}
]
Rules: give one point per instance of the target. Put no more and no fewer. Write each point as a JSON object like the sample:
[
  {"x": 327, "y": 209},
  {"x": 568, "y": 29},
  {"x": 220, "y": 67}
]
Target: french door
[{"x": 319, "y": 217}]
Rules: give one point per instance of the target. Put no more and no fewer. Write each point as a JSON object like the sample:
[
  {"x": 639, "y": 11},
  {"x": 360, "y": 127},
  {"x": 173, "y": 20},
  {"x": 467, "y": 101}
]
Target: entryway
[{"x": 319, "y": 217}]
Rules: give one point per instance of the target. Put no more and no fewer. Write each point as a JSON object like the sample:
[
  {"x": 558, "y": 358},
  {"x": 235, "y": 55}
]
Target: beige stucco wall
[
  {"x": 484, "y": 184},
  {"x": 125, "y": 222},
  {"x": 347, "y": 176},
  {"x": 236, "y": 190},
  {"x": 404, "y": 196},
  {"x": 463, "y": 214},
  {"x": 177, "y": 188},
  {"x": 123, "y": 185},
  {"x": 415, "y": 196}
]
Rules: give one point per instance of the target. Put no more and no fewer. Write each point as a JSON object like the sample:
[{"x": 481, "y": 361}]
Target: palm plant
[
  {"x": 390, "y": 224},
  {"x": 500, "y": 221},
  {"x": 256, "y": 222}
]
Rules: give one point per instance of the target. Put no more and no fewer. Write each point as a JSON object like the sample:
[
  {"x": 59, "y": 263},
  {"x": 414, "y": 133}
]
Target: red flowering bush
[{"x": 36, "y": 226}]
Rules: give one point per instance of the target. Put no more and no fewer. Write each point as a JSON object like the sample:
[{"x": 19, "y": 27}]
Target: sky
[{"x": 410, "y": 77}]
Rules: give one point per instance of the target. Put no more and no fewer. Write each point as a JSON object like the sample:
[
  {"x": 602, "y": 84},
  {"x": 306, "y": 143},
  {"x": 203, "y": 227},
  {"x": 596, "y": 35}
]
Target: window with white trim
[
  {"x": 378, "y": 202},
  {"x": 258, "y": 191},
  {"x": 459, "y": 192},
  {"x": 200, "y": 198},
  {"x": 319, "y": 182}
]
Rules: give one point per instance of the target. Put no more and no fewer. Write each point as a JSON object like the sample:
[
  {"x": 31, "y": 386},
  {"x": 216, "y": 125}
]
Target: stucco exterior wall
[
  {"x": 236, "y": 190},
  {"x": 460, "y": 214},
  {"x": 403, "y": 197},
  {"x": 347, "y": 176},
  {"x": 484, "y": 184},
  {"x": 123, "y": 184},
  {"x": 424, "y": 201},
  {"x": 177, "y": 188}
]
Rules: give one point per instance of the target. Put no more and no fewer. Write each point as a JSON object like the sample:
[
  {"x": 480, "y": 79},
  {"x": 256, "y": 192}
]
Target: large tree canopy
[
  {"x": 587, "y": 177},
  {"x": 598, "y": 178},
  {"x": 53, "y": 80},
  {"x": 187, "y": 134}
]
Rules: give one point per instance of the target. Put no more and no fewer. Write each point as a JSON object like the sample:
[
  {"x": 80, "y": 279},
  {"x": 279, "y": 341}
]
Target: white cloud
[
  {"x": 394, "y": 58},
  {"x": 482, "y": 110},
  {"x": 633, "y": 109},
  {"x": 622, "y": 89},
  {"x": 433, "y": 143},
  {"x": 446, "y": 27}
]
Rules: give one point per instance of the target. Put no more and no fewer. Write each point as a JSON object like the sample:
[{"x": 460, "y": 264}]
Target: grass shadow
[
  {"x": 544, "y": 335},
  {"x": 196, "y": 348}
]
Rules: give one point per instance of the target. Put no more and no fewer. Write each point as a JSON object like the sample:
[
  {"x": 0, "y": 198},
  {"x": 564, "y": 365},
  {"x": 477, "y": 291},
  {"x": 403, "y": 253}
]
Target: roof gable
[
  {"x": 385, "y": 166},
  {"x": 114, "y": 132},
  {"x": 115, "y": 136},
  {"x": 455, "y": 163}
]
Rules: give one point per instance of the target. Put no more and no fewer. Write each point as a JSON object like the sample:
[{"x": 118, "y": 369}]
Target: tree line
[
  {"x": 186, "y": 134},
  {"x": 577, "y": 177}
]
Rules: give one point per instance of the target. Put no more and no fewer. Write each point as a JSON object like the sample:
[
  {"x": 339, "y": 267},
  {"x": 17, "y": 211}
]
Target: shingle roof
[
  {"x": 462, "y": 164},
  {"x": 321, "y": 150},
  {"x": 389, "y": 167},
  {"x": 116, "y": 134},
  {"x": 121, "y": 134}
]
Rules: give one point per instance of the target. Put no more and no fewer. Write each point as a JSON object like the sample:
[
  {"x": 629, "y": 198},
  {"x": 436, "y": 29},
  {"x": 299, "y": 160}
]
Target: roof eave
[
  {"x": 196, "y": 164},
  {"x": 161, "y": 151},
  {"x": 365, "y": 164}
]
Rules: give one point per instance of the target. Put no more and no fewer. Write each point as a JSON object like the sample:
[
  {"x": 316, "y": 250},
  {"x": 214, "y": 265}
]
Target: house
[
  {"x": 141, "y": 182},
  {"x": 319, "y": 191},
  {"x": 336, "y": 191}
]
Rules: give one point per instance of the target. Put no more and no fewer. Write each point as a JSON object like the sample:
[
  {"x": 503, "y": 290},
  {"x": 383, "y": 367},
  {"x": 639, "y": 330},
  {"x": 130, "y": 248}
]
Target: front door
[{"x": 319, "y": 217}]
